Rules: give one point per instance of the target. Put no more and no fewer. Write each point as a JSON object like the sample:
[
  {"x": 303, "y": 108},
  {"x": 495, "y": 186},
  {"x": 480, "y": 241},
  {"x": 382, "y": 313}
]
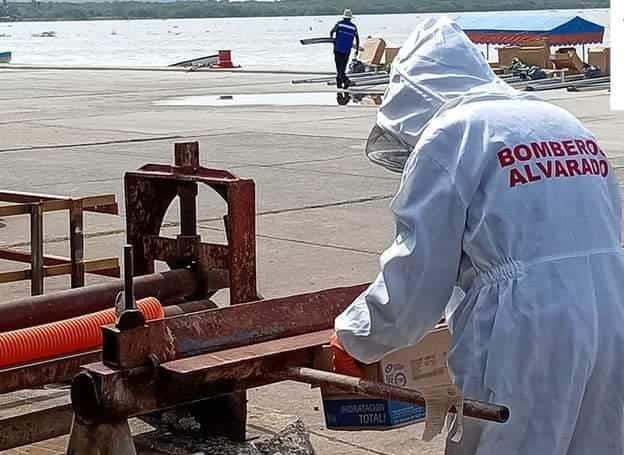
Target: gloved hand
[{"x": 343, "y": 362}]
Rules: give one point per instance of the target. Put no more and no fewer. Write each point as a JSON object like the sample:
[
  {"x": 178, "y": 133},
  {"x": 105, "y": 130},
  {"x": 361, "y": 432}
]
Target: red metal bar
[
  {"x": 241, "y": 232},
  {"x": 45, "y": 372},
  {"x": 239, "y": 325},
  {"x": 101, "y": 392}
]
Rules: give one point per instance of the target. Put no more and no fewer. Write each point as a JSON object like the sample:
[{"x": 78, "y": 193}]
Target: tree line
[{"x": 214, "y": 8}]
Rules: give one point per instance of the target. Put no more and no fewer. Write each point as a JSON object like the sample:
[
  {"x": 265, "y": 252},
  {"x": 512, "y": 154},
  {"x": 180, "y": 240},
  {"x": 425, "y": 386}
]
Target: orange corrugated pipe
[{"x": 79, "y": 334}]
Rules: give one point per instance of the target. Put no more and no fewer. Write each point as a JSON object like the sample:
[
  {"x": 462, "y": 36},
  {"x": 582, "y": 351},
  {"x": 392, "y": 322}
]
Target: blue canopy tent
[{"x": 513, "y": 29}]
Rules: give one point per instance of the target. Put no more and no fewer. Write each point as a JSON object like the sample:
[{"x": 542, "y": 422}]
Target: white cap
[{"x": 348, "y": 14}]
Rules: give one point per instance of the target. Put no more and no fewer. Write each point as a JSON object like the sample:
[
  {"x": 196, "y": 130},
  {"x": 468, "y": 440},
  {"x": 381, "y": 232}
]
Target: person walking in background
[{"x": 343, "y": 34}]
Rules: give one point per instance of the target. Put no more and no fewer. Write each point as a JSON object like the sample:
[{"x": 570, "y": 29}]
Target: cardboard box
[
  {"x": 420, "y": 366},
  {"x": 390, "y": 54},
  {"x": 529, "y": 55},
  {"x": 600, "y": 58},
  {"x": 566, "y": 57},
  {"x": 373, "y": 51}
]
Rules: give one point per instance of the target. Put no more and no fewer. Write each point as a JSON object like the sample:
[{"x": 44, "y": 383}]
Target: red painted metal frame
[
  {"x": 197, "y": 356},
  {"x": 149, "y": 193}
]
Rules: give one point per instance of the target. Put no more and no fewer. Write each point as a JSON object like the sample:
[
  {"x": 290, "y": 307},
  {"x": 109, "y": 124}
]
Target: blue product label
[
  {"x": 356, "y": 412},
  {"x": 370, "y": 413},
  {"x": 402, "y": 413}
]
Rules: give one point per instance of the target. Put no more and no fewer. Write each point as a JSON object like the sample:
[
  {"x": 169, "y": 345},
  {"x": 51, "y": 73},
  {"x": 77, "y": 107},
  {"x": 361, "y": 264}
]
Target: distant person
[{"x": 344, "y": 33}]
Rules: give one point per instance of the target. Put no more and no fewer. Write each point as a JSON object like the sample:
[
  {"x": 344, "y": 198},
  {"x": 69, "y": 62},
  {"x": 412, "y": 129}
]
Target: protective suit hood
[{"x": 437, "y": 68}]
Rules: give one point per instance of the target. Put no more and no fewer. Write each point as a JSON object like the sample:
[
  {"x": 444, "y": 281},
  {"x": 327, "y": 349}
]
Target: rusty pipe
[
  {"x": 61, "y": 369},
  {"x": 31, "y": 311},
  {"x": 472, "y": 408}
]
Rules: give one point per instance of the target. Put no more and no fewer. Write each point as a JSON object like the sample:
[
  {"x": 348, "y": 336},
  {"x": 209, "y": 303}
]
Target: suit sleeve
[{"x": 418, "y": 271}]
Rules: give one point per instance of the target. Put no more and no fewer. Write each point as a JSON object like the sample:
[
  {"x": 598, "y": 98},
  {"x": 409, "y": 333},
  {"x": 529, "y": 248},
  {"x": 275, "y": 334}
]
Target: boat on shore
[
  {"x": 199, "y": 62},
  {"x": 44, "y": 35},
  {"x": 5, "y": 57}
]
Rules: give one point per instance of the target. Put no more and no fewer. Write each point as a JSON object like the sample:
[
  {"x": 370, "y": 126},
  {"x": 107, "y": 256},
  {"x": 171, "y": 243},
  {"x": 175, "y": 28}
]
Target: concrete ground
[{"x": 323, "y": 213}]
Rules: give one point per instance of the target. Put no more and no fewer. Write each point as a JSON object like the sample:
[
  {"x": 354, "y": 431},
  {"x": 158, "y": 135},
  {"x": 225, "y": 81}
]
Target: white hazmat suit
[{"x": 511, "y": 200}]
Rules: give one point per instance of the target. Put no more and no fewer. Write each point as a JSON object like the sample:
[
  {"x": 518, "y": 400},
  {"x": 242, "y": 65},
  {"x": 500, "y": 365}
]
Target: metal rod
[
  {"x": 129, "y": 302},
  {"x": 320, "y": 80},
  {"x": 579, "y": 83},
  {"x": 36, "y": 248},
  {"x": 362, "y": 80},
  {"x": 472, "y": 408},
  {"x": 187, "y": 193},
  {"x": 30, "y": 311},
  {"x": 590, "y": 88},
  {"x": 371, "y": 83}
]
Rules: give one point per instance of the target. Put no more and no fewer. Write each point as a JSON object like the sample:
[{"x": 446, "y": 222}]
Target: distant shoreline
[{"x": 211, "y": 9}]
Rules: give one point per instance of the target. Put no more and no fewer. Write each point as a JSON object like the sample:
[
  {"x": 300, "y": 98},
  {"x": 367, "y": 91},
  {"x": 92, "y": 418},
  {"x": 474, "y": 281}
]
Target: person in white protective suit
[{"x": 507, "y": 223}]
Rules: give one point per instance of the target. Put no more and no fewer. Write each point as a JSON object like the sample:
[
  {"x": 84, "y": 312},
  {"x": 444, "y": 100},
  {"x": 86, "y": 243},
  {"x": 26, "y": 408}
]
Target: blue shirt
[{"x": 345, "y": 32}]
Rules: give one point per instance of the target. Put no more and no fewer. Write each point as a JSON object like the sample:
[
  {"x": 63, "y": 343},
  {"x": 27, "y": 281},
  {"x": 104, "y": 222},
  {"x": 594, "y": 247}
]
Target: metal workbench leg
[
  {"x": 36, "y": 249},
  {"x": 100, "y": 439},
  {"x": 76, "y": 244}
]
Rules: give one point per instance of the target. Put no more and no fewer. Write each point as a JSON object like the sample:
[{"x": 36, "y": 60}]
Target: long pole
[{"x": 472, "y": 408}]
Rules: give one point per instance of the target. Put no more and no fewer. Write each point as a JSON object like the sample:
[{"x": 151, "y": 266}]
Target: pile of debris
[{"x": 182, "y": 435}]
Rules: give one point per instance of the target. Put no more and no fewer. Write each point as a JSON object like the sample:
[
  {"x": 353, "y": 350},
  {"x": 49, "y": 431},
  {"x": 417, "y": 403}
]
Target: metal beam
[
  {"x": 42, "y": 424},
  {"x": 102, "y": 393},
  {"x": 173, "y": 338},
  {"x": 44, "y": 372}
]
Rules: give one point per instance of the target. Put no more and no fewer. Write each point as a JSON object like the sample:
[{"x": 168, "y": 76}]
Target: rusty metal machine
[{"x": 198, "y": 354}]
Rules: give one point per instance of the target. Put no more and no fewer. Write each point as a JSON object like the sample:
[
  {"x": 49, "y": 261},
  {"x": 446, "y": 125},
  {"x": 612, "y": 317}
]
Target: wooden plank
[
  {"x": 91, "y": 266},
  {"x": 23, "y": 209},
  {"x": 106, "y": 203},
  {"x": 24, "y": 198},
  {"x": 34, "y": 415},
  {"x": 36, "y": 249},
  {"x": 22, "y": 256},
  {"x": 104, "y": 267},
  {"x": 12, "y": 210},
  {"x": 56, "y": 205},
  {"x": 15, "y": 275},
  {"x": 101, "y": 204},
  {"x": 76, "y": 244}
]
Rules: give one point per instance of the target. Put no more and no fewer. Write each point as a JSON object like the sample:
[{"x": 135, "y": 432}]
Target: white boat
[
  {"x": 44, "y": 35},
  {"x": 5, "y": 57}
]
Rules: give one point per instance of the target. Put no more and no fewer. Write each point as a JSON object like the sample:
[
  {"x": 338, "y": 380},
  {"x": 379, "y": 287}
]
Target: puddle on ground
[{"x": 277, "y": 99}]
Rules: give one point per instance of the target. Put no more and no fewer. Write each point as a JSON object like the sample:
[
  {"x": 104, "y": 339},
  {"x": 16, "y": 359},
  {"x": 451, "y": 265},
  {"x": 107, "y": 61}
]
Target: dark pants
[{"x": 341, "y": 68}]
